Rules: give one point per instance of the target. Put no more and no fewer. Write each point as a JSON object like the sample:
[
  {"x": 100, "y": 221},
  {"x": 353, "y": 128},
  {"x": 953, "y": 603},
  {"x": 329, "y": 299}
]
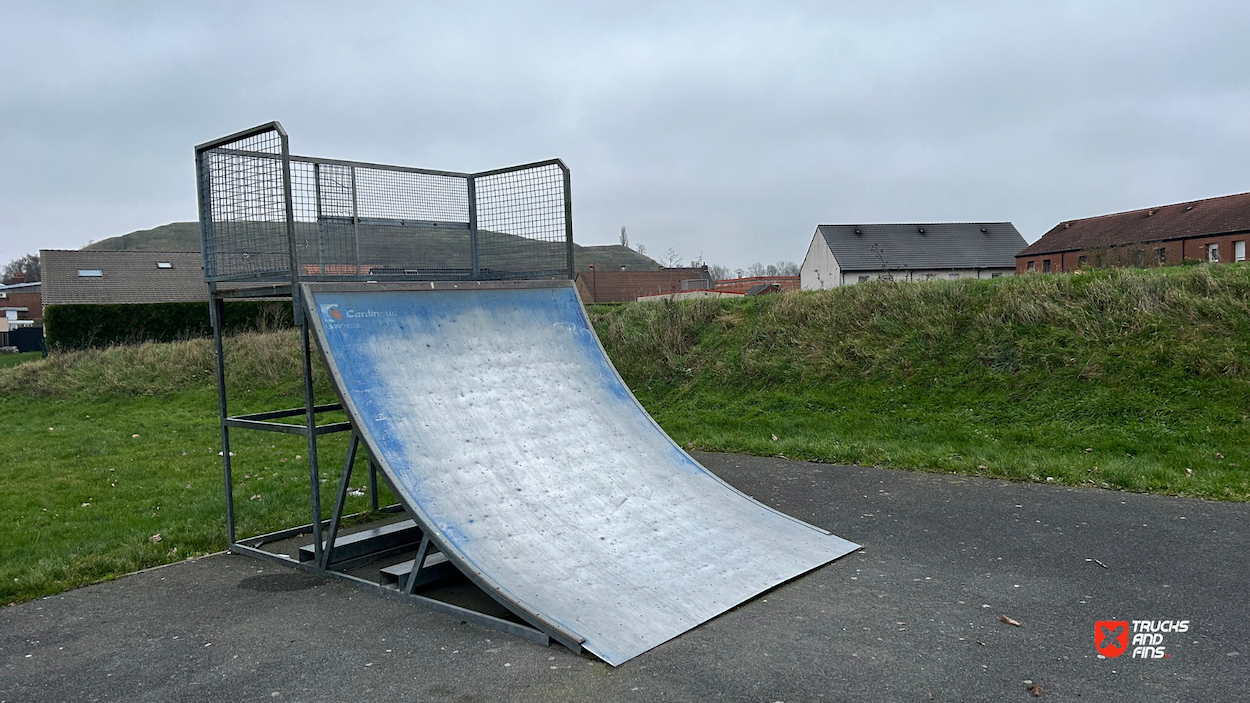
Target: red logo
[
  {"x": 1111, "y": 637},
  {"x": 334, "y": 312}
]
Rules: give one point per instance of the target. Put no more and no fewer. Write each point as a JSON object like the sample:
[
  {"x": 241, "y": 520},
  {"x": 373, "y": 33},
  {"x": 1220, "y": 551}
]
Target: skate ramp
[{"x": 498, "y": 419}]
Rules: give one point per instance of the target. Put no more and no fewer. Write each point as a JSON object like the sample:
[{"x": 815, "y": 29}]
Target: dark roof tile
[
  {"x": 943, "y": 245},
  {"x": 1196, "y": 218}
]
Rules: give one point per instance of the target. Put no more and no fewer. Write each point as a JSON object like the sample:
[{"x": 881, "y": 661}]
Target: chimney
[{"x": 19, "y": 277}]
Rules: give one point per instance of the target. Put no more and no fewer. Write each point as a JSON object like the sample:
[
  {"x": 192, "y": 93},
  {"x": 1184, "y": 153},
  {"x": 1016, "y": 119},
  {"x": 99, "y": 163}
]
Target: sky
[{"x": 726, "y": 131}]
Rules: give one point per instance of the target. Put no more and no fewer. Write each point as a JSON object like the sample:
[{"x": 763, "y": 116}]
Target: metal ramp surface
[{"x": 498, "y": 420}]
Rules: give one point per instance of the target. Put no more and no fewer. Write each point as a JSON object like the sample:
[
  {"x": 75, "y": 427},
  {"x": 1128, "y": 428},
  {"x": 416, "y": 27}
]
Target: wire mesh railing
[{"x": 265, "y": 213}]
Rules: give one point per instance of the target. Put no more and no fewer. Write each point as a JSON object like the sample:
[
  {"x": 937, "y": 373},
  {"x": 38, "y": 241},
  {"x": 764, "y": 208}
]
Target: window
[
  {"x": 995, "y": 275},
  {"x": 1239, "y": 250},
  {"x": 1161, "y": 254},
  {"x": 862, "y": 279},
  {"x": 1213, "y": 253},
  {"x": 1082, "y": 261},
  {"x": 169, "y": 265},
  {"x": 90, "y": 273},
  {"x": 1029, "y": 266},
  {"x": 1045, "y": 265}
]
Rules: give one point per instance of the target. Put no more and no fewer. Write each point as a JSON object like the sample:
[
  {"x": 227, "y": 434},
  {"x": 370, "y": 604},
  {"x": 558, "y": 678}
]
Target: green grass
[
  {"x": 7, "y": 360},
  {"x": 84, "y": 497},
  {"x": 1124, "y": 379},
  {"x": 1014, "y": 378}
]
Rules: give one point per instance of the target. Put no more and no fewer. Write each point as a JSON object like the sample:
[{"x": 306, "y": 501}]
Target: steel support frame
[
  {"x": 270, "y": 287},
  {"x": 323, "y": 565}
]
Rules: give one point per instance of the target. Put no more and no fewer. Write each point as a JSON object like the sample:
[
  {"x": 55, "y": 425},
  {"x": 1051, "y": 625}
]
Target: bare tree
[
  {"x": 781, "y": 268},
  {"x": 719, "y": 273},
  {"x": 27, "y": 266},
  {"x": 642, "y": 248},
  {"x": 671, "y": 258},
  {"x": 624, "y": 238}
]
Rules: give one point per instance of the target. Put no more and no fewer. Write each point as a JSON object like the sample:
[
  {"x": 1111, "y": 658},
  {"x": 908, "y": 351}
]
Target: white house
[{"x": 841, "y": 255}]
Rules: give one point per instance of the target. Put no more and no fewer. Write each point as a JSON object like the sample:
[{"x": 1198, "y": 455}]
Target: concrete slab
[{"x": 903, "y": 620}]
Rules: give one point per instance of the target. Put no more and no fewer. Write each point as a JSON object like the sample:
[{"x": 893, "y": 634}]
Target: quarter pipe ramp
[{"x": 508, "y": 436}]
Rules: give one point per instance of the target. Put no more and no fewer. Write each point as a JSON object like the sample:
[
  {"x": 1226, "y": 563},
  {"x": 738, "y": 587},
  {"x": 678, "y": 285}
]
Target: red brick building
[
  {"x": 21, "y": 300},
  {"x": 742, "y": 285},
  {"x": 626, "y": 286},
  {"x": 1214, "y": 230}
]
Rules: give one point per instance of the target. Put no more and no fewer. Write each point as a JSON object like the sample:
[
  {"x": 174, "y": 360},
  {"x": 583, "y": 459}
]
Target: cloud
[{"x": 730, "y": 130}]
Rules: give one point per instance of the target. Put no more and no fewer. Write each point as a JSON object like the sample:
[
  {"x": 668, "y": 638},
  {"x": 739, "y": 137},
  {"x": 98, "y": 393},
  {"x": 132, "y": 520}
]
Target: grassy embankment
[
  {"x": 1138, "y": 380},
  {"x": 1013, "y": 378}
]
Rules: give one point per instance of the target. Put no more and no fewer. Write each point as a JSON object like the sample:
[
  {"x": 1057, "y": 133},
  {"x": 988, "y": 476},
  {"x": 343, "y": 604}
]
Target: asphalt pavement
[{"x": 916, "y": 616}]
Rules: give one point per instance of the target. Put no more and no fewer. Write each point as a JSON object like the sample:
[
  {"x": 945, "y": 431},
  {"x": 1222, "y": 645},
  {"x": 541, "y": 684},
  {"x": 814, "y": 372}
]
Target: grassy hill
[
  {"x": 185, "y": 236},
  {"x": 175, "y": 236},
  {"x": 1132, "y": 379}
]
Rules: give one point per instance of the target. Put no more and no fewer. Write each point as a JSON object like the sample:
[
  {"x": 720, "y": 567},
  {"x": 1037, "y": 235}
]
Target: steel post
[{"x": 217, "y": 313}]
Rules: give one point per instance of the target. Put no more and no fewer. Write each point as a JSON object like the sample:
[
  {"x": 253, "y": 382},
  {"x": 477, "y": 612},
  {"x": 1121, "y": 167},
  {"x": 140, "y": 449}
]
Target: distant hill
[
  {"x": 175, "y": 236},
  {"x": 185, "y": 236}
]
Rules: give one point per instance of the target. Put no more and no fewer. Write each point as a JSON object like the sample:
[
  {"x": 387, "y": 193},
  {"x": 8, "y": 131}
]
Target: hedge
[{"x": 79, "y": 326}]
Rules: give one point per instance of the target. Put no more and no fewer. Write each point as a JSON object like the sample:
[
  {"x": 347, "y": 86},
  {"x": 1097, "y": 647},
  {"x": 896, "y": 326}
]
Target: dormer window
[
  {"x": 90, "y": 273},
  {"x": 164, "y": 265}
]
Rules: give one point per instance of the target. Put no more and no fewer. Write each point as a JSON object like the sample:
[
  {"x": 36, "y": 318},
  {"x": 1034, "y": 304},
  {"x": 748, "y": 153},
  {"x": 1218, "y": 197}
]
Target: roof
[
  {"x": 763, "y": 288},
  {"x": 942, "y": 245},
  {"x": 32, "y": 287},
  {"x": 627, "y": 286},
  {"x": 125, "y": 277},
  {"x": 1195, "y": 218}
]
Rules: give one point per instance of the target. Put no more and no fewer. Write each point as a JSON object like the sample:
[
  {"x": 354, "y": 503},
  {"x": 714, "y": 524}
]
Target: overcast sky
[{"x": 720, "y": 129}]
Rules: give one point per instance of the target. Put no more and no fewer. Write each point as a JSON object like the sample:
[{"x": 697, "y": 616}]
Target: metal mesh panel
[
  {"x": 522, "y": 220},
  {"x": 356, "y": 220},
  {"x": 243, "y": 208}
]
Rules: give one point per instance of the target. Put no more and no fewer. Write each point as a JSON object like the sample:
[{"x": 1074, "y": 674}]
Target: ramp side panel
[{"x": 499, "y": 417}]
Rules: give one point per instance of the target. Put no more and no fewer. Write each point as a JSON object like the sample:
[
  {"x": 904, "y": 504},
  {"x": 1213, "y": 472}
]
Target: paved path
[{"x": 912, "y": 616}]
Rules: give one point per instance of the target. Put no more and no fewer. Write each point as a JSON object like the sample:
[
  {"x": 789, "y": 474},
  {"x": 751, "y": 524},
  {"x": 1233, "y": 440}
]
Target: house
[
  {"x": 743, "y": 285},
  {"x": 763, "y": 289},
  {"x": 621, "y": 286},
  {"x": 20, "y": 303},
  {"x": 841, "y": 255},
  {"x": 1214, "y": 230},
  {"x": 92, "y": 277}
]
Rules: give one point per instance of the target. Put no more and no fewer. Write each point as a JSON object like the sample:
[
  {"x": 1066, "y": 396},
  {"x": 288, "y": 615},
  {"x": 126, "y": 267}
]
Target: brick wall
[
  {"x": 1146, "y": 255},
  {"x": 30, "y": 301},
  {"x": 740, "y": 285}
]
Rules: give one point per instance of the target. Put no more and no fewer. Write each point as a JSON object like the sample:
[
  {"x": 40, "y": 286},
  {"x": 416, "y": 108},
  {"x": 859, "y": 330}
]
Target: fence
[{"x": 266, "y": 215}]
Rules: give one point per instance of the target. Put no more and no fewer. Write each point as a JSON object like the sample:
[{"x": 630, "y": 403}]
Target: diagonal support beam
[{"x": 328, "y": 551}]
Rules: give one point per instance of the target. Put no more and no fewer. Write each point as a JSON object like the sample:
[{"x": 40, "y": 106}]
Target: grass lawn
[
  {"x": 91, "y": 480},
  {"x": 1134, "y": 380},
  {"x": 7, "y": 360}
]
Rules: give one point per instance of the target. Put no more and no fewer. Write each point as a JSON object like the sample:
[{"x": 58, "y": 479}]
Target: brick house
[
  {"x": 20, "y": 302},
  {"x": 1214, "y": 230},
  {"x": 93, "y": 277},
  {"x": 627, "y": 286}
]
